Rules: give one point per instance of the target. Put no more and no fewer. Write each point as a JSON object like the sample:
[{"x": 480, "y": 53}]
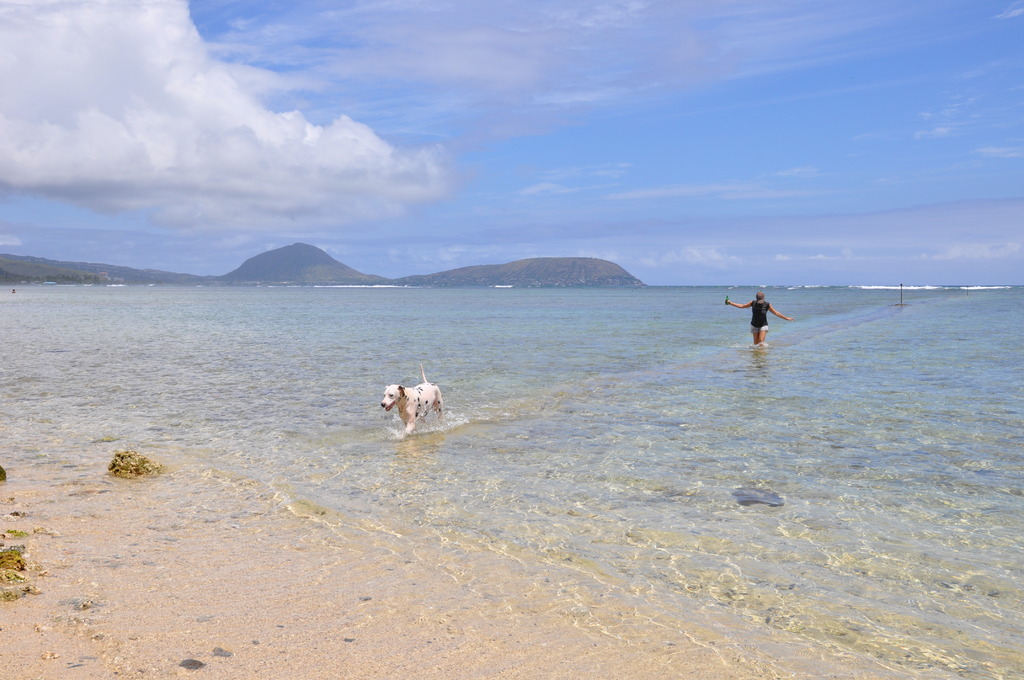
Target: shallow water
[{"x": 603, "y": 431}]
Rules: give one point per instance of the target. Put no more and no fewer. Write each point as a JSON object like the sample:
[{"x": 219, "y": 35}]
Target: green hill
[
  {"x": 34, "y": 270},
  {"x": 559, "y": 272},
  {"x": 298, "y": 263},
  {"x": 15, "y": 268}
]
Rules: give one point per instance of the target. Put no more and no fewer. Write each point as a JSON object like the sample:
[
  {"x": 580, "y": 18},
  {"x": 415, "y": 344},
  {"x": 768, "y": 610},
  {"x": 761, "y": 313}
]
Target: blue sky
[{"x": 715, "y": 142}]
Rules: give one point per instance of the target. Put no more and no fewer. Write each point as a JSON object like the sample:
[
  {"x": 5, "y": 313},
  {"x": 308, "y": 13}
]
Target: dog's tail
[{"x": 422, "y": 374}]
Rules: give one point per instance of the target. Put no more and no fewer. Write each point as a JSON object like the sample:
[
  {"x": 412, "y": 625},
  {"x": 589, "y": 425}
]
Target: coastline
[{"x": 158, "y": 575}]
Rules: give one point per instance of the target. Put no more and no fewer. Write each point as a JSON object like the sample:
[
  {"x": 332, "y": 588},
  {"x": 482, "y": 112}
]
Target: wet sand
[{"x": 153, "y": 577}]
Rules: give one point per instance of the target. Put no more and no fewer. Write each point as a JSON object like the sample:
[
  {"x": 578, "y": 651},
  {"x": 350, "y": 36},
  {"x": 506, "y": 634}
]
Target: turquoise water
[{"x": 602, "y": 431}]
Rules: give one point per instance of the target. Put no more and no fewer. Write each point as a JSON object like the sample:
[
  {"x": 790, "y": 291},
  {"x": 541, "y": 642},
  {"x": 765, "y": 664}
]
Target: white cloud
[
  {"x": 559, "y": 181},
  {"x": 609, "y": 170},
  {"x": 546, "y": 189},
  {"x": 804, "y": 172},
  {"x": 725, "y": 191},
  {"x": 977, "y": 251},
  {"x": 935, "y": 133},
  {"x": 697, "y": 255},
  {"x": 8, "y": 240},
  {"x": 117, "y": 105},
  {"x": 427, "y": 63},
  {"x": 1015, "y": 10},
  {"x": 843, "y": 255},
  {"x": 1001, "y": 151}
]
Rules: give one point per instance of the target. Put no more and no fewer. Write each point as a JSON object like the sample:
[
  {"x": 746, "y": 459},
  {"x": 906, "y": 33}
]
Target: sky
[{"x": 692, "y": 142}]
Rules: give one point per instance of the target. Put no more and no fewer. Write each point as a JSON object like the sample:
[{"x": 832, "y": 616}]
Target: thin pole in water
[{"x": 901, "y": 297}]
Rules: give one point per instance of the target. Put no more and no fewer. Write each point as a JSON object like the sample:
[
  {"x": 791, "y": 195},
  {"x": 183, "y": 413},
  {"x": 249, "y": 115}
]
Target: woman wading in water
[{"x": 759, "y": 321}]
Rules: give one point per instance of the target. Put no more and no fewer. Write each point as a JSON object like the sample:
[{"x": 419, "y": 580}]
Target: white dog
[{"x": 413, "y": 403}]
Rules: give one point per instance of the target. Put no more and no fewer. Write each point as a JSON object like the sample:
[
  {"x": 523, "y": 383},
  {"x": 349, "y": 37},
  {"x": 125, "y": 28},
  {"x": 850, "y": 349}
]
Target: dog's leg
[
  {"x": 410, "y": 416},
  {"x": 406, "y": 409}
]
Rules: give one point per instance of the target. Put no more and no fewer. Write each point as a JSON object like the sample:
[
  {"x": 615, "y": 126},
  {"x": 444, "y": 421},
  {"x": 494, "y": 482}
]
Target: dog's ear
[{"x": 401, "y": 390}]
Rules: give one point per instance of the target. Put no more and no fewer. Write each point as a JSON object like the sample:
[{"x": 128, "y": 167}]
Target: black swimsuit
[{"x": 760, "y": 316}]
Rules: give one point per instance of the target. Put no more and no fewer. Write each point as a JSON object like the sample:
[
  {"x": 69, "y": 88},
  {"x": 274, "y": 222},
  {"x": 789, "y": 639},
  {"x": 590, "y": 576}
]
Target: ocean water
[{"x": 601, "y": 432}]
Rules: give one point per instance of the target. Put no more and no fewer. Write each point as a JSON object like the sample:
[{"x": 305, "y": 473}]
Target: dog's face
[{"x": 392, "y": 395}]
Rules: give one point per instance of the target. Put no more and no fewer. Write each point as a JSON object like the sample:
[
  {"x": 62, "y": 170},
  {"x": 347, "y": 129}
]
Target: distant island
[
  {"x": 299, "y": 263},
  {"x": 561, "y": 272},
  {"x": 303, "y": 264}
]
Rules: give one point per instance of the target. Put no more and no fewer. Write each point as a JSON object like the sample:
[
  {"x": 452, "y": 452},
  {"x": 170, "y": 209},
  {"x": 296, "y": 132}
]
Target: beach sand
[{"x": 154, "y": 576}]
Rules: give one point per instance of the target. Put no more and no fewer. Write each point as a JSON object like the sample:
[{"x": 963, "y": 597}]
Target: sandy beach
[{"x": 175, "y": 576}]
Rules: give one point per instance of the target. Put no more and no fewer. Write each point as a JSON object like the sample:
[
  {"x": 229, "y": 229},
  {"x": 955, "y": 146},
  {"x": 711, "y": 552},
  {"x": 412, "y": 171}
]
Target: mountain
[
  {"x": 298, "y": 263},
  {"x": 20, "y": 268},
  {"x": 305, "y": 264},
  {"x": 17, "y": 271},
  {"x": 534, "y": 272}
]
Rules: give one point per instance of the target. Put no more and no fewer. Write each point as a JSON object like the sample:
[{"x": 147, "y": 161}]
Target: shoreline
[{"x": 186, "y": 572}]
